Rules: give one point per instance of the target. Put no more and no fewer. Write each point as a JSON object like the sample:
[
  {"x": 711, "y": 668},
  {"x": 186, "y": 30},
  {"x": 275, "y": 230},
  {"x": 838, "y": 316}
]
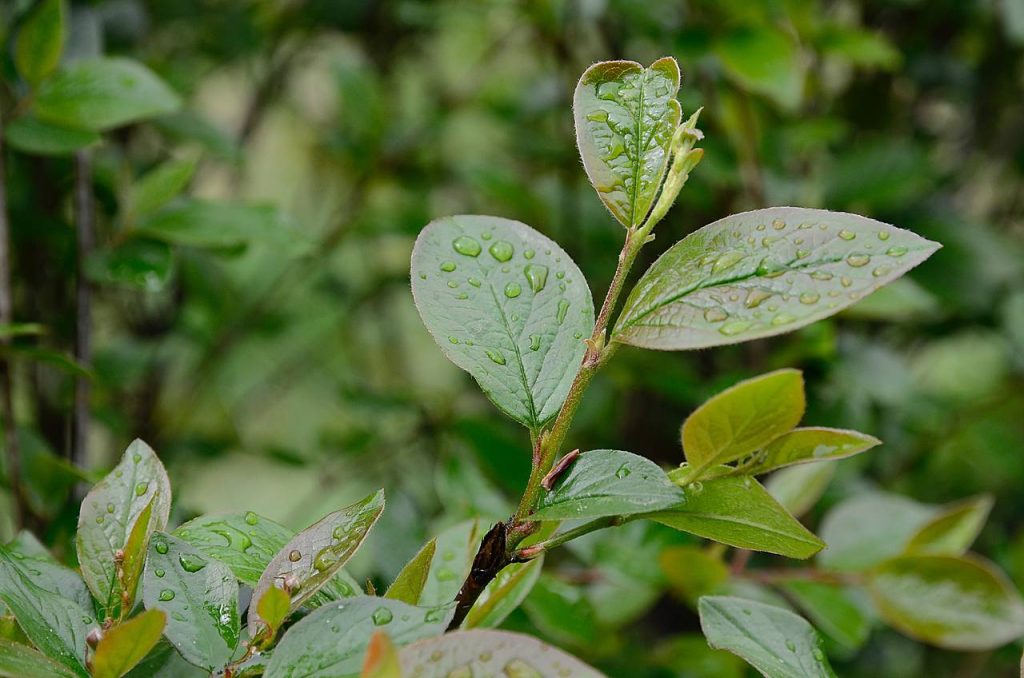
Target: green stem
[{"x": 586, "y": 528}]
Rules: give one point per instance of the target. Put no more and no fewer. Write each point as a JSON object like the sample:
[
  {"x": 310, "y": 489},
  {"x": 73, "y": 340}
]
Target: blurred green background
[{"x": 276, "y": 361}]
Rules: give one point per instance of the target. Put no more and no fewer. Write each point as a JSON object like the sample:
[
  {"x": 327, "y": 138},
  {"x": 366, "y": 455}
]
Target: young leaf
[
  {"x": 332, "y": 641},
  {"x": 866, "y": 529},
  {"x": 740, "y": 512},
  {"x": 954, "y": 602},
  {"x": 507, "y": 305},
  {"x": 161, "y": 185},
  {"x": 109, "y": 513},
  {"x": 125, "y": 645},
  {"x": 40, "y": 41},
  {"x": 625, "y": 115},
  {"x": 762, "y": 273},
  {"x": 32, "y": 135},
  {"x": 200, "y": 597},
  {"x": 451, "y": 563},
  {"x": 381, "y": 658},
  {"x": 409, "y": 583},
  {"x": 798, "y": 488},
  {"x": 21, "y": 661},
  {"x": 608, "y": 483},
  {"x": 804, "y": 445},
  {"x": 490, "y": 653},
  {"x": 314, "y": 555},
  {"x": 273, "y": 610},
  {"x": 832, "y": 610},
  {"x": 504, "y": 594},
  {"x": 742, "y": 419},
  {"x": 953, "y": 530},
  {"x": 135, "y": 554},
  {"x": 776, "y": 642},
  {"x": 55, "y": 625},
  {"x": 100, "y": 94}
]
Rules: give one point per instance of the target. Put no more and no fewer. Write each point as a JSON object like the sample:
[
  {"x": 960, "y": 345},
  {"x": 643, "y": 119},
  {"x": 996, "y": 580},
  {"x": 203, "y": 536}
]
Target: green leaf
[
  {"x": 36, "y": 563},
  {"x": 217, "y": 225},
  {"x": 315, "y": 555},
  {"x": 762, "y": 273},
  {"x": 331, "y": 642},
  {"x": 804, "y": 445},
  {"x": 954, "y": 602},
  {"x": 776, "y": 642},
  {"x": 832, "y": 610},
  {"x": 490, "y": 653},
  {"x": 740, "y": 512},
  {"x": 953, "y": 530},
  {"x": 507, "y": 305},
  {"x": 625, "y": 116},
  {"x": 40, "y": 41},
  {"x": 32, "y": 135},
  {"x": 798, "y": 488},
  {"x": 765, "y": 61},
  {"x": 273, "y": 610},
  {"x": 108, "y": 515},
  {"x": 866, "y": 529},
  {"x": 21, "y": 661},
  {"x": 453, "y": 558},
  {"x": 692, "y": 572},
  {"x": 161, "y": 185},
  {"x": 54, "y": 624},
  {"x": 200, "y": 597},
  {"x": 504, "y": 594},
  {"x": 743, "y": 419},
  {"x": 125, "y": 645},
  {"x": 562, "y": 613},
  {"x": 139, "y": 263},
  {"x": 100, "y": 94},
  {"x": 10, "y": 330},
  {"x": 409, "y": 583},
  {"x": 608, "y": 483},
  {"x": 381, "y": 658}
]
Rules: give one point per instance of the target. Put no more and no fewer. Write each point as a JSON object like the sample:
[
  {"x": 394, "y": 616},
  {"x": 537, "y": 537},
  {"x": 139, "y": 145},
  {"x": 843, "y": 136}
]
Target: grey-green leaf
[
  {"x": 109, "y": 513},
  {"x": 507, "y": 305},
  {"x": 451, "y": 563},
  {"x": 32, "y": 135},
  {"x": 100, "y": 94},
  {"x": 762, "y": 273},
  {"x": 46, "y": 572},
  {"x": 331, "y": 642},
  {"x": 804, "y": 445},
  {"x": 490, "y": 653},
  {"x": 798, "y": 488},
  {"x": 866, "y": 529},
  {"x": 504, "y": 594},
  {"x": 608, "y": 483},
  {"x": 316, "y": 554},
  {"x": 833, "y": 611},
  {"x": 200, "y": 597},
  {"x": 776, "y": 642},
  {"x": 739, "y": 512},
  {"x": 625, "y": 115},
  {"x": 40, "y": 41},
  {"x": 954, "y": 529},
  {"x": 21, "y": 661}
]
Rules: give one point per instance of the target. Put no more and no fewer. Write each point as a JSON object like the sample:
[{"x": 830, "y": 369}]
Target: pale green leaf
[
  {"x": 625, "y": 116},
  {"x": 504, "y": 594},
  {"x": 866, "y": 529},
  {"x": 798, "y": 488},
  {"x": 409, "y": 583},
  {"x": 453, "y": 558},
  {"x": 32, "y": 135},
  {"x": 21, "y": 661},
  {"x": 216, "y": 225},
  {"x": 804, "y": 445},
  {"x": 762, "y": 273},
  {"x": 954, "y": 529},
  {"x": 40, "y": 41},
  {"x": 507, "y": 305},
  {"x": 833, "y": 611},
  {"x": 125, "y": 645},
  {"x": 272, "y": 608}
]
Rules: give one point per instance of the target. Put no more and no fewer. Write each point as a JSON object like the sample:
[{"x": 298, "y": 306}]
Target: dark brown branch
[
  {"x": 85, "y": 226},
  {"x": 490, "y": 560}
]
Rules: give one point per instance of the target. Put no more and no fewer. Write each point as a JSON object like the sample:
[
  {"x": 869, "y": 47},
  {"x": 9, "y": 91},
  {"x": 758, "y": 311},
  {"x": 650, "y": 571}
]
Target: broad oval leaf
[
  {"x": 32, "y": 135},
  {"x": 743, "y": 418},
  {"x": 200, "y": 597},
  {"x": 21, "y": 661},
  {"x": 775, "y": 641},
  {"x": 331, "y": 642},
  {"x": 798, "y": 488},
  {"x": 108, "y": 515},
  {"x": 452, "y": 560},
  {"x": 954, "y": 529},
  {"x": 954, "y": 602},
  {"x": 608, "y": 483},
  {"x": 833, "y": 611},
  {"x": 804, "y": 445},
  {"x": 504, "y": 594},
  {"x": 315, "y": 555},
  {"x": 625, "y": 115},
  {"x": 486, "y": 653},
  {"x": 40, "y": 41},
  {"x": 44, "y": 570},
  {"x": 128, "y": 643},
  {"x": 739, "y": 512},
  {"x": 409, "y": 583},
  {"x": 507, "y": 305},
  {"x": 762, "y": 273},
  {"x": 99, "y": 94},
  {"x": 866, "y": 529}
]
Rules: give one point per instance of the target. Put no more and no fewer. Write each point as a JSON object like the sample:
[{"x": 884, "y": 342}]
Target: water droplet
[
  {"x": 696, "y": 487},
  {"x": 423, "y": 276},
  {"x": 560, "y": 275},
  {"x": 715, "y": 314},
  {"x": 622, "y": 472},
  {"x": 735, "y": 327},
  {"x": 517, "y": 668},
  {"x": 896, "y": 251},
  {"x": 474, "y": 282},
  {"x": 756, "y": 297},
  {"x": 804, "y": 226},
  {"x": 760, "y": 227},
  {"x": 778, "y": 224},
  {"x": 883, "y": 235},
  {"x": 818, "y": 655},
  {"x": 452, "y": 284},
  {"x": 537, "y": 275},
  {"x": 529, "y": 254},
  {"x": 141, "y": 488},
  {"x": 486, "y": 236},
  {"x": 453, "y": 340},
  {"x": 770, "y": 269},
  {"x": 448, "y": 266},
  {"x": 191, "y": 562},
  {"x": 782, "y": 319},
  {"x": 726, "y": 261},
  {"x": 802, "y": 254},
  {"x": 501, "y": 250},
  {"x": 809, "y": 298},
  {"x": 466, "y": 246},
  {"x": 791, "y": 646},
  {"x": 251, "y": 518},
  {"x": 845, "y": 282},
  {"x": 513, "y": 290},
  {"x": 858, "y": 260},
  {"x": 166, "y": 595},
  {"x": 462, "y": 295},
  {"x": 822, "y": 275},
  {"x": 161, "y": 547},
  {"x": 497, "y": 357},
  {"x": 437, "y": 614},
  {"x": 597, "y": 116},
  {"x": 325, "y": 560},
  {"x": 846, "y": 235},
  {"x": 339, "y": 532},
  {"x": 136, "y": 457},
  {"x": 159, "y": 572},
  {"x": 295, "y": 556},
  {"x": 118, "y": 473},
  {"x": 534, "y": 342},
  {"x": 563, "y": 308},
  {"x": 881, "y": 271}
]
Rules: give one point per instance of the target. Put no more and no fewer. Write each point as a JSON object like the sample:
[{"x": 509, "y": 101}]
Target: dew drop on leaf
[
  {"x": 735, "y": 327},
  {"x": 622, "y": 472},
  {"x": 325, "y": 560},
  {"x": 444, "y": 574},
  {"x": 166, "y": 595},
  {"x": 295, "y": 556},
  {"x": 453, "y": 340},
  {"x": 513, "y": 290},
  {"x": 791, "y": 646},
  {"x": 896, "y": 251},
  {"x": 381, "y": 616},
  {"x": 563, "y": 308},
  {"x": 501, "y": 250},
  {"x": 437, "y": 614},
  {"x": 809, "y": 298},
  {"x": 883, "y": 235},
  {"x": 251, "y": 518},
  {"x": 880, "y": 271},
  {"x": 726, "y": 261},
  {"x": 161, "y": 547},
  {"x": 141, "y": 488},
  {"x": 782, "y": 319},
  {"x": 191, "y": 563},
  {"x": 517, "y": 668},
  {"x": 158, "y": 572},
  {"x": 448, "y": 266},
  {"x": 110, "y": 508},
  {"x": 534, "y": 342},
  {"x": 474, "y": 282},
  {"x": 858, "y": 260},
  {"x": 822, "y": 275},
  {"x": 99, "y": 520},
  {"x": 715, "y": 314},
  {"x": 537, "y": 275},
  {"x": 467, "y": 246},
  {"x": 497, "y": 357},
  {"x": 778, "y": 224},
  {"x": 846, "y": 235},
  {"x": 755, "y": 297}
]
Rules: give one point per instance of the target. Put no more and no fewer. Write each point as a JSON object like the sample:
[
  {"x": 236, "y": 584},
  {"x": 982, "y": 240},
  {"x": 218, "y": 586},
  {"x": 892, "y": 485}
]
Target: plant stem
[
  {"x": 586, "y": 528},
  {"x": 86, "y": 230}
]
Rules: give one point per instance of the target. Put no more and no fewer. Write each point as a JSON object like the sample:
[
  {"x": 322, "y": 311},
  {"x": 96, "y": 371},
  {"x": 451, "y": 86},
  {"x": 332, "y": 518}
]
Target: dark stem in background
[
  {"x": 6, "y": 377},
  {"x": 85, "y": 227}
]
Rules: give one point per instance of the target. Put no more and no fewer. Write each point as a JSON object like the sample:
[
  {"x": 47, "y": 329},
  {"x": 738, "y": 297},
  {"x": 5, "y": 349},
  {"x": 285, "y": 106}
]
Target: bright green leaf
[
  {"x": 125, "y": 645},
  {"x": 805, "y": 445},
  {"x": 692, "y": 572},
  {"x": 866, "y": 529},
  {"x": 40, "y": 41},
  {"x": 100, "y": 94},
  {"x": 776, "y": 642},
  {"x": 625, "y": 116},
  {"x": 453, "y": 558},
  {"x": 135, "y": 548},
  {"x": 954, "y": 602},
  {"x": 954, "y": 529},
  {"x": 832, "y": 610},
  {"x": 32, "y": 135},
  {"x": 762, "y": 273},
  {"x": 764, "y": 60},
  {"x": 608, "y": 483},
  {"x": 21, "y": 661},
  {"x": 798, "y": 488},
  {"x": 161, "y": 185},
  {"x": 504, "y": 594},
  {"x": 507, "y": 305},
  {"x": 409, "y": 583},
  {"x": 200, "y": 597}
]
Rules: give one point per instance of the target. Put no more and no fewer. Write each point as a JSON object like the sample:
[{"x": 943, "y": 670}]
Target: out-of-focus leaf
[
  {"x": 776, "y": 642},
  {"x": 798, "y": 488},
  {"x": 9, "y": 330},
  {"x": 451, "y": 563},
  {"x": 107, "y": 517},
  {"x": 859, "y": 47},
  {"x": 900, "y": 301},
  {"x": 409, "y": 583},
  {"x": 40, "y": 41},
  {"x": 953, "y": 530},
  {"x": 832, "y": 610},
  {"x": 689, "y": 655},
  {"x": 561, "y": 613},
  {"x": 125, "y": 645},
  {"x": 21, "y": 661},
  {"x": 765, "y": 61},
  {"x": 215, "y": 225},
  {"x": 868, "y": 528},
  {"x": 161, "y": 185},
  {"x": 804, "y": 445},
  {"x": 504, "y": 594},
  {"x": 200, "y": 597},
  {"x": 954, "y": 602},
  {"x": 608, "y": 483},
  {"x": 940, "y": 370},
  {"x": 139, "y": 263},
  {"x": 692, "y": 572},
  {"x": 625, "y": 116},
  {"x": 32, "y": 135},
  {"x": 381, "y": 658},
  {"x": 762, "y": 273},
  {"x": 507, "y": 305}
]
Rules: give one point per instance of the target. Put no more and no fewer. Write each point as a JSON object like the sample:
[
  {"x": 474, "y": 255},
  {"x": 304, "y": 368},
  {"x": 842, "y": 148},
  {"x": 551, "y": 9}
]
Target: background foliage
[{"x": 258, "y": 330}]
